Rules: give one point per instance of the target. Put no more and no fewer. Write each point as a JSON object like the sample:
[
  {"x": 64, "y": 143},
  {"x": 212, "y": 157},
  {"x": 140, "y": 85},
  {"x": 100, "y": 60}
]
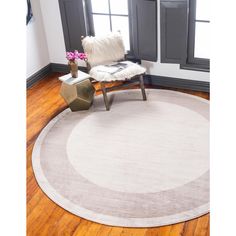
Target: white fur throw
[
  {"x": 130, "y": 71},
  {"x": 104, "y": 49}
]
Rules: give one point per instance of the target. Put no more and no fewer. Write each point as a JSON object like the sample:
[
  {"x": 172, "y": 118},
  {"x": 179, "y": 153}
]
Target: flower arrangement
[
  {"x": 72, "y": 56},
  {"x": 72, "y": 61}
]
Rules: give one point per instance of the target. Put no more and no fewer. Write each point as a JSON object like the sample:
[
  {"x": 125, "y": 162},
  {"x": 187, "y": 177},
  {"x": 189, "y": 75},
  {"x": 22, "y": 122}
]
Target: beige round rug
[{"x": 141, "y": 164}]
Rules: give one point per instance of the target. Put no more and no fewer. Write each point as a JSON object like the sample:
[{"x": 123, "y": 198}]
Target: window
[
  {"x": 135, "y": 19},
  {"x": 109, "y": 16},
  {"x": 184, "y": 32},
  {"x": 199, "y": 34}
]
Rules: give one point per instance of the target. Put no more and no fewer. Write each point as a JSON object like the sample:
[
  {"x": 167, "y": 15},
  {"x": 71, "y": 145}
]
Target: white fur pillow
[{"x": 104, "y": 49}]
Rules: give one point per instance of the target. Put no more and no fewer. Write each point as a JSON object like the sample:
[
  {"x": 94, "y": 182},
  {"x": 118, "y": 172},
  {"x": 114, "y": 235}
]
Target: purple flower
[
  {"x": 71, "y": 56},
  {"x": 82, "y": 56},
  {"x": 76, "y": 54}
]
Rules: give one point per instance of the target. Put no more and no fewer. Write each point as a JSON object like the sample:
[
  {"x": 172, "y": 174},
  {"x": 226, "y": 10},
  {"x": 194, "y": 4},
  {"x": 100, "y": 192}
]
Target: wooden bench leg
[
  {"x": 103, "y": 88},
  {"x": 142, "y": 87}
]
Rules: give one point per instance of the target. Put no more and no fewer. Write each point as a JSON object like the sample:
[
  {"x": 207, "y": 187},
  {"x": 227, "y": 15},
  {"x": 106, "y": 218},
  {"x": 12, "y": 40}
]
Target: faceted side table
[{"x": 77, "y": 92}]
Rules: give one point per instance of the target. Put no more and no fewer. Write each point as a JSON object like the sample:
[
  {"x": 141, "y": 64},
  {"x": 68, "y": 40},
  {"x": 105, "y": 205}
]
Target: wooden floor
[{"x": 44, "y": 217}]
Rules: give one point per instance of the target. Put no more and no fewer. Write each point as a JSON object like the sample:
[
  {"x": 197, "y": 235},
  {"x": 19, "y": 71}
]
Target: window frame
[
  {"x": 90, "y": 22},
  {"x": 194, "y": 63}
]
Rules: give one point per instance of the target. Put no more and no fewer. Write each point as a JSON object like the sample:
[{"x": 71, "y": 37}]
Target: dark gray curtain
[{"x": 29, "y": 12}]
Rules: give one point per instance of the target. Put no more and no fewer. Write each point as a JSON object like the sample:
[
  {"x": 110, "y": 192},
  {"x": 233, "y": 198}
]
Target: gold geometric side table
[{"x": 78, "y": 93}]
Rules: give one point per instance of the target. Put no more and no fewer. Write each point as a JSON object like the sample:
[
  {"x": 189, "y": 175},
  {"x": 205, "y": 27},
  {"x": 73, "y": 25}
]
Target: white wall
[
  {"x": 53, "y": 29},
  {"x": 37, "y": 49},
  {"x": 54, "y": 32},
  {"x": 56, "y": 46}
]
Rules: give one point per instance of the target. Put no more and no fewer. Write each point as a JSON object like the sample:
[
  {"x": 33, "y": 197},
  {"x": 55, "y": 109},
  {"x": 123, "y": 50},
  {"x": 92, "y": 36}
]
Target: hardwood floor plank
[
  {"x": 55, "y": 217},
  {"x": 164, "y": 230},
  {"x": 32, "y": 187},
  {"x": 44, "y": 217},
  {"x": 34, "y": 201},
  {"x": 116, "y": 231},
  {"x": 202, "y": 226},
  {"x": 40, "y": 215},
  {"x": 134, "y": 231},
  {"x": 66, "y": 225},
  {"x": 159, "y": 231},
  {"x": 93, "y": 229},
  {"x": 82, "y": 228},
  {"x": 176, "y": 230},
  {"x": 208, "y": 229},
  {"x": 190, "y": 227},
  {"x": 104, "y": 231}
]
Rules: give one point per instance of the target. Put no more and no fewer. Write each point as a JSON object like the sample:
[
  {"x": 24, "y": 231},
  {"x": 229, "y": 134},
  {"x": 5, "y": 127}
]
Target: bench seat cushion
[{"x": 127, "y": 73}]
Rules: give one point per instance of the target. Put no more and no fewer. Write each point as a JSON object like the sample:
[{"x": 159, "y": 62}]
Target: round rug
[{"x": 141, "y": 164}]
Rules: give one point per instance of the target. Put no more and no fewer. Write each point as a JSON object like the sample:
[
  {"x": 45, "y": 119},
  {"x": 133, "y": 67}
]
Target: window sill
[{"x": 194, "y": 67}]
